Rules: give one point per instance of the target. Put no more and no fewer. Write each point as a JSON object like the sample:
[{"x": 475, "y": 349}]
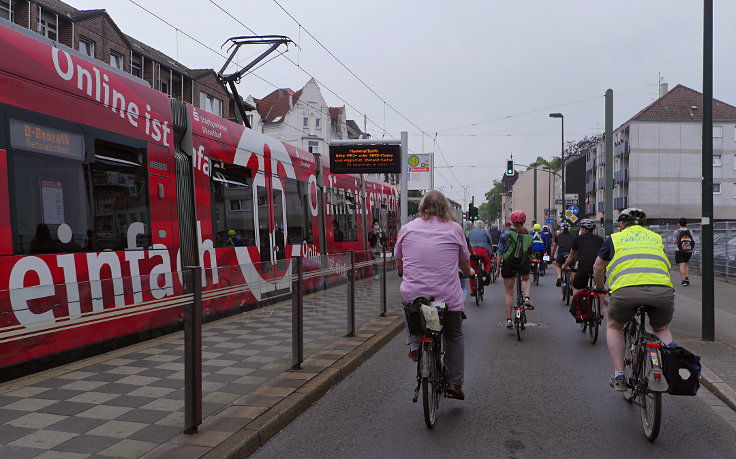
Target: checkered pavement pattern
[{"x": 128, "y": 402}]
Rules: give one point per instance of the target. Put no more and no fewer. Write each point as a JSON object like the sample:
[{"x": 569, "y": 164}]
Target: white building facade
[{"x": 657, "y": 161}]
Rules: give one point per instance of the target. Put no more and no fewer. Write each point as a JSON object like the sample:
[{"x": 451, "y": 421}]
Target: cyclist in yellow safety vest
[{"x": 638, "y": 275}]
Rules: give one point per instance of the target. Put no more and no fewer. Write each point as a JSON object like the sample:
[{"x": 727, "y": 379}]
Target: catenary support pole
[
  {"x": 608, "y": 212},
  {"x": 297, "y": 314},
  {"x": 383, "y": 283},
  {"x": 351, "y": 294},
  {"x": 708, "y": 313},
  {"x": 404, "y": 204},
  {"x": 193, "y": 354}
]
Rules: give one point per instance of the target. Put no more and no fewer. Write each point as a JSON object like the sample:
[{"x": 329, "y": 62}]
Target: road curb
[
  {"x": 248, "y": 440},
  {"x": 719, "y": 388}
]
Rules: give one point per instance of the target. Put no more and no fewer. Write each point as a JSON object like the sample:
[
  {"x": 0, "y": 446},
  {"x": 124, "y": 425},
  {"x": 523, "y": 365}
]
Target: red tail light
[
  {"x": 426, "y": 338},
  {"x": 655, "y": 345}
]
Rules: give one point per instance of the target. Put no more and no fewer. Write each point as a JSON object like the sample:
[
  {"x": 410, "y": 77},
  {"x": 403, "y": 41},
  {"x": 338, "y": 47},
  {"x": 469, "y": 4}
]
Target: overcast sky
[{"x": 445, "y": 64}]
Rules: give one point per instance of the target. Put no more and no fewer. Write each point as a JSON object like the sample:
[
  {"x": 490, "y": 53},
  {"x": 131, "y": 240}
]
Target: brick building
[{"x": 93, "y": 32}]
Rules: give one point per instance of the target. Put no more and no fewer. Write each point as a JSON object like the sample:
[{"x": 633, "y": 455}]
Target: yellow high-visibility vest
[{"x": 638, "y": 259}]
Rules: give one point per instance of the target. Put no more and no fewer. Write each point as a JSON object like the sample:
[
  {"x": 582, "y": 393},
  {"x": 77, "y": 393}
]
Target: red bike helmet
[
  {"x": 508, "y": 223},
  {"x": 518, "y": 216}
]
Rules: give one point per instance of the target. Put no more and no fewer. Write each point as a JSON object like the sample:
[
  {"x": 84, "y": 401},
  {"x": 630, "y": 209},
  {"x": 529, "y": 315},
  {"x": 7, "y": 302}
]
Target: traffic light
[
  {"x": 510, "y": 167},
  {"x": 472, "y": 213}
]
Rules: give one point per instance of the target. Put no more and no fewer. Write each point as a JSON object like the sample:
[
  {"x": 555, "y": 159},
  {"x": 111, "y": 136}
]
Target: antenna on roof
[{"x": 233, "y": 78}]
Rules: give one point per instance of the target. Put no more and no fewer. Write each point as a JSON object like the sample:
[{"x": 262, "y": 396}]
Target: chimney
[{"x": 662, "y": 89}]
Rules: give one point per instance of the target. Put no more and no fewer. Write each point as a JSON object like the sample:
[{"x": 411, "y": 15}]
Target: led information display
[
  {"x": 43, "y": 139},
  {"x": 365, "y": 159}
]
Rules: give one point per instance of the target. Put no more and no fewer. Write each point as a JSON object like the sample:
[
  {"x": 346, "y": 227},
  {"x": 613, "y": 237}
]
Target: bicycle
[
  {"x": 566, "y": 286},
  {"x": 535, "y": 271},
  {"x": 479, "y": 286},
  {"x": 431, "y": 372},
  {"x": 519, "y": 309},
  {"x": 595, "y": 313},
  {"x": 493, "y": 268},
  {"x": 642, "y": 366}
]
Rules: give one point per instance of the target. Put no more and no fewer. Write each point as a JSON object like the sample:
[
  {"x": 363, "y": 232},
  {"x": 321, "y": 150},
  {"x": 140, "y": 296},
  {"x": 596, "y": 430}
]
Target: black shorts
[
  {"x": 508, "y": 271},
  {"x": 561, "y": 257},
  {"x": 682, "y": 257},
  {"x": 582, "y": 275}
]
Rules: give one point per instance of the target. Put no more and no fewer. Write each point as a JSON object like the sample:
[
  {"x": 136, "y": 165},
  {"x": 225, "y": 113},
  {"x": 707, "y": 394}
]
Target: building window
[
  {"x": 135, "y": 66},
  {"x": 716, "y": 160},
  {"x": 164, "y": 82},
  {"x": 6, "y": 10},
  {"x": 116, "y": 60},
  {"x": 313, "y": 146},
  {"x": 317, "y": 122},
  {"x": 87, "y": 47},
  {"x": 718, "y": 131},
  {"x": 306, "y": 122},
  {"x": 716, "y": 188},
  {"x": 210, "y": 103},
  {"x": 48, "y": 26},
  {"x": 250, "y": 120}
]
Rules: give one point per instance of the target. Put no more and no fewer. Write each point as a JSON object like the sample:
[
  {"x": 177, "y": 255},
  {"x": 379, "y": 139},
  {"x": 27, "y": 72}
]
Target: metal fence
[{"x": 724, "y": 247}]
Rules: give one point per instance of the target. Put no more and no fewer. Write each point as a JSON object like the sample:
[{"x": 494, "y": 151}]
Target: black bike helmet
[
  {"x": 586, "y": 223},
  {"x": 633, "y": 216},
  {"x": 564, "y": 226}
]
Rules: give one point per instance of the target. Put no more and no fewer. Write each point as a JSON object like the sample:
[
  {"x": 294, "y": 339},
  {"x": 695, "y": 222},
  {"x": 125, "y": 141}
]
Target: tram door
[{"x": 271, "y": 235}]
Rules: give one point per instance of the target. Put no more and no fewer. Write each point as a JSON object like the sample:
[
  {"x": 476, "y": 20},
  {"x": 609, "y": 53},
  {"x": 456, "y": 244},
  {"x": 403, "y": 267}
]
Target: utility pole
[
  {"x": 404, "y": 204},
  {"x": 707, "y": 296},
  {"x": 608, "y": 217},
  {"x": 535, "y": 195}
]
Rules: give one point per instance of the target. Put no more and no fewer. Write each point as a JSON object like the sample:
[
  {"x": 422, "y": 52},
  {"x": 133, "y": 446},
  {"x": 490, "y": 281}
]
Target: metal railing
[
  {"x": 724, "y": 247},
  {"x": 310, "y": 291}
]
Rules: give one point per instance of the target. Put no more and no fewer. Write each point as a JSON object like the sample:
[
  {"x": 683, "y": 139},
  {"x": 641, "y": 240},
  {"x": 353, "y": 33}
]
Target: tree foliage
[{"x": 491, "y": 209}]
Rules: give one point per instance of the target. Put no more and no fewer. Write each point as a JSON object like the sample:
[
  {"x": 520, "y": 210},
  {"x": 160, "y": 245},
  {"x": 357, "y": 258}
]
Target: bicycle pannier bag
[
  {"x": 414, "y": 317},
  {"x": 682, "y": 370},
  {"x": 685, "y": 242},
  {"x": 580, "y": 306}
]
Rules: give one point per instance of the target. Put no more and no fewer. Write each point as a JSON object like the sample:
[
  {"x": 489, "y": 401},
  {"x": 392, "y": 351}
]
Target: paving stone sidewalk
[
  {"x": 718, "y": 357},
  {"x": 130, "y": 402}
]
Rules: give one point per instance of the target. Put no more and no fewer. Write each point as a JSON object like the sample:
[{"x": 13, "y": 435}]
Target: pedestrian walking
[{"x": 685, "y": 243}]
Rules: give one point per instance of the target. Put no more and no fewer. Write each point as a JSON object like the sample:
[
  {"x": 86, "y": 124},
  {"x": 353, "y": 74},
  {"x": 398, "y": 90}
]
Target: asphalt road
[{"x": 547, "y": 396}]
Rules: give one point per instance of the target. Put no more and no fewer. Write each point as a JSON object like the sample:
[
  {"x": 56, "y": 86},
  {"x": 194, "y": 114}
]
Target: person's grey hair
[
  {"x": 494, "y": 226},
  {"x": 435, "y": 204},
  {"x": 480, "y": 224}
]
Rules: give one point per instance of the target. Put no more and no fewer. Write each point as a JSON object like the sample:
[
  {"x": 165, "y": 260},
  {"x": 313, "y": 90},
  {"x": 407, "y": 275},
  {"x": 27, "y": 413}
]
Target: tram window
[
  {"x": 298, "y": 216},
  {"x": 344, "y": 216},
  {"x": 60, "y": 203},
  {"x": 45, "y": 194},
  {"x": 231, "y": 197},
  {"x": 119, "y": 185}
]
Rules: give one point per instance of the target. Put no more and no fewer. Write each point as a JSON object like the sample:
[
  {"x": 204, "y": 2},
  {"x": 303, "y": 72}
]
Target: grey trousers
[{"x": 454, "y": 347}]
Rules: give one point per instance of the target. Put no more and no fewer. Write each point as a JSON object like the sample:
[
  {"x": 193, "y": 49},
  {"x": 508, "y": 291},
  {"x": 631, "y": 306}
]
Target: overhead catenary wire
[{"x": 386, "y": 104}]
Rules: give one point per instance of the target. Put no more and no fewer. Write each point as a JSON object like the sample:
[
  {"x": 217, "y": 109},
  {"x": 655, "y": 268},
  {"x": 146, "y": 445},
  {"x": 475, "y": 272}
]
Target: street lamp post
[
  {"x": 550, "y": 172},
  {"x": 562, "y": 155}
]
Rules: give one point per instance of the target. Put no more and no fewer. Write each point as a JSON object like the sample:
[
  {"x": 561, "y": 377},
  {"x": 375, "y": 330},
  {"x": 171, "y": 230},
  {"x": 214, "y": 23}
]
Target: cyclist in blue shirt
[{"x": 538, "y": 246}]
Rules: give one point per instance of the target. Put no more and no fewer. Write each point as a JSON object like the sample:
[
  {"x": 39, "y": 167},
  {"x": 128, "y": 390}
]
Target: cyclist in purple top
[{"x": 429, "y": 250}]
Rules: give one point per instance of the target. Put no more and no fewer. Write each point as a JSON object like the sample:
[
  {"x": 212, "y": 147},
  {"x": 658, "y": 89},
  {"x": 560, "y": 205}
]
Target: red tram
[{"x": 108, "y": 188}]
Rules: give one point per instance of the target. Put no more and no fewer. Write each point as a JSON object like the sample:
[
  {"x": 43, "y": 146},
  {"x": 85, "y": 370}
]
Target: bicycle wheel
[
  {"x": 651, "y": 413},
  {"x": 568, "y": 288},
  {"x": 595, "y": 307},
  {"x": 429, "y": 384},
  {"x": 517, "y": 326},
  {"x": 478, "y": 287},
  {"x": 631, "y": 361},
  {"x": 536, "y": 273},
  {"x": 482, "y": 291}
]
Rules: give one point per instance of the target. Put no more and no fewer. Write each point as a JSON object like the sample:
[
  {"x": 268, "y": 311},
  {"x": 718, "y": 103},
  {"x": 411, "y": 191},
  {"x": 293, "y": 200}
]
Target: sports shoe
[
  {"x": 472, "y": 293},
  {"x": 687, "y": 280},
  {"x": 618, "y": 383},
  {"x": 559, "y": 282},
  {"x": 683, "y": 283},
  {"x": 528, "y": 303},
  {"x": 509, "y": 324},
  {"x": 414, "y": 355},
  {"x": 455, "y": 391}
]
